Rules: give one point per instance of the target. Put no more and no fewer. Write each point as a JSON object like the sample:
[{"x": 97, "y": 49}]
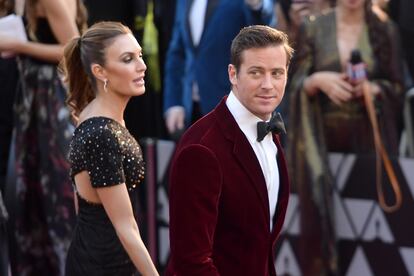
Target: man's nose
[{"x": 267, "y": 82}]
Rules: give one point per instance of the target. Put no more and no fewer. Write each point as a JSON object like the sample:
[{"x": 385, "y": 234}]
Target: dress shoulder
[{"x": 97, "y": 145}]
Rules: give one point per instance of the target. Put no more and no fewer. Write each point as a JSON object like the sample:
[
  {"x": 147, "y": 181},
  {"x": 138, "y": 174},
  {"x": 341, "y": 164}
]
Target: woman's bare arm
[
  {"x": 61, "y": 18},
  {"x": 116, "y": 202}
]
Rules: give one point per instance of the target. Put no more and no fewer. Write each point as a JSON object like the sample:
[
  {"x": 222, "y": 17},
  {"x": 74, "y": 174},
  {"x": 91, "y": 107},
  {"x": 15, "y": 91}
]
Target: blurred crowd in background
[{"x": 186, "y": 46}]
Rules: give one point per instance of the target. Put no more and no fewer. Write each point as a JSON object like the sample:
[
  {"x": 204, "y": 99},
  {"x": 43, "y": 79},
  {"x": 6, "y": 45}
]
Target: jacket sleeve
[
  {"x": 195, "y": 187},
  {"x": 175, "y": 62}
]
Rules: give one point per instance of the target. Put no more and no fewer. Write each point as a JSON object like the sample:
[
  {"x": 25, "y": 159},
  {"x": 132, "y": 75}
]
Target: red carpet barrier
[
  {"x": 154, "y": 199},
  {"x": 370, "y": 241}
]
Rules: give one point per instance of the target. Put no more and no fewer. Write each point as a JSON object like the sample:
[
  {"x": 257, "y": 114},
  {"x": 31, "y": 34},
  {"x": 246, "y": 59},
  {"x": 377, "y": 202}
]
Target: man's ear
[
  {"x": 232, "y": 74},
  {"x": 98, "y": 71}
]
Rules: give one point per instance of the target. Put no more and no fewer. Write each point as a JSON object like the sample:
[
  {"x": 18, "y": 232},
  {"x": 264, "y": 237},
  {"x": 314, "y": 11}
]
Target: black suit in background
[
  {"x": 8, "y": 84},
  {"x": 108, "y": 10},
  {"x": 164, "y": 13},
  {"x": 401, "y": 12}
]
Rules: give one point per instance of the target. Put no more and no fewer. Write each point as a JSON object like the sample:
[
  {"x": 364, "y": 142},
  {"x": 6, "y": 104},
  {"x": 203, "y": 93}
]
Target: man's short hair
[{"x": 258, "y": 36}]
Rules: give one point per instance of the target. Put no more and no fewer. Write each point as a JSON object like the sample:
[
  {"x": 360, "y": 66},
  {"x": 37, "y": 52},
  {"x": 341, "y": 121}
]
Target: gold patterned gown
[{"x": 318, "y": 126}]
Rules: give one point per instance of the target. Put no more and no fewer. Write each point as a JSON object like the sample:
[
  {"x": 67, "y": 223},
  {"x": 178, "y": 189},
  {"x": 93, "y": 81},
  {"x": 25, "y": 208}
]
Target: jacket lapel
[
  {"x": 211, "y": 7},
  {"x": 284, "y": 189},
  {"x": 243, "y": 152},
  {"x": 189, "y": 3},
  {"x": 246, "y": 157}
]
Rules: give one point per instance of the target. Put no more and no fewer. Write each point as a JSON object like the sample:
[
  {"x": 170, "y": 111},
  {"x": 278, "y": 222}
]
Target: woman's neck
[{"x": 107, "y": 105}]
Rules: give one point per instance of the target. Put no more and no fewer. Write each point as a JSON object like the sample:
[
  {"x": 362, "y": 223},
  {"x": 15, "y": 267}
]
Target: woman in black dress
[{"x": 104, "y": 69}]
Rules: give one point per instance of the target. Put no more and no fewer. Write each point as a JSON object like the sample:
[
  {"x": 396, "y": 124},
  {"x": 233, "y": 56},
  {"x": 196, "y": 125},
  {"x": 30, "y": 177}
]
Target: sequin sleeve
[{"x": 104, "y": 159}]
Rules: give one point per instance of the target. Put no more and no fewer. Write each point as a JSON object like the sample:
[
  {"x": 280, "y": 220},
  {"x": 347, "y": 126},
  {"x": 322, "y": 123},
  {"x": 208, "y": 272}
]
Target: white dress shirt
[
  {"x": 197, "y": 14},
  {"x": 265, "y": 150}
]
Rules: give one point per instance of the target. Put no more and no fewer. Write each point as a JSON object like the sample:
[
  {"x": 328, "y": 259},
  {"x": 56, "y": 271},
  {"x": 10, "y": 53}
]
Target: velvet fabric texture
[{"x": 219, "y": 207}]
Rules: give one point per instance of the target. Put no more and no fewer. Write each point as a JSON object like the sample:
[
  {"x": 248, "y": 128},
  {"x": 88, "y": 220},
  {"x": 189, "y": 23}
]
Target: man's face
[{"x": 260, "y": 83}]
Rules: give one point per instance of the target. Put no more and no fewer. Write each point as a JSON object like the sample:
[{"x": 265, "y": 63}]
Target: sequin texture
[
  {"x": 111, "y": 156},
  {"x": 108, "y": 152}
]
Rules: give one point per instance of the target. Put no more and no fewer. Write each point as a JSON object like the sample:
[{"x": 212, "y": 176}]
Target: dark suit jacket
[
  {"x": 219, "y": 208},
  {"x": 206, "y": 63}
]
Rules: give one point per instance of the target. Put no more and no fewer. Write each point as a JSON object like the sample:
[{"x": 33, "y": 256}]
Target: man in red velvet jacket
[{"x": 229, "y": 185}]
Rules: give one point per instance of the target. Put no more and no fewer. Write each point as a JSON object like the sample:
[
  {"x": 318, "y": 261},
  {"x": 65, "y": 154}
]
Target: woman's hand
[
  {"x": 333, "y": 84},
  {"x": 298, "y": 11},
  {"x": 375, "y": 89}
]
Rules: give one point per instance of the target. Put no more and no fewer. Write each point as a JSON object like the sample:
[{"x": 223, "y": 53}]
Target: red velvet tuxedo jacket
[{"x": 219, "y": 208}]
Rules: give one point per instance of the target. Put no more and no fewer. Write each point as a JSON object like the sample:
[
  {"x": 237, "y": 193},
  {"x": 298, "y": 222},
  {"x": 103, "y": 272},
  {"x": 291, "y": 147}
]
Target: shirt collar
[{"x": 246, "y": 120}]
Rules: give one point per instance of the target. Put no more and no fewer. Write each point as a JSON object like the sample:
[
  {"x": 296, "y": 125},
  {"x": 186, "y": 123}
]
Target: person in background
[
  {"x": 229, "y": 184},
  {"x": 198, "y": 55},
  {"x": 42, "y": 217},
  {"x": 291, "y": 13},
  {"x": 328, "y": 114},
  {"x": 104, "y": 69},
  {"x": 8, "y": 79},
  {"x": 401, "y": 12}
]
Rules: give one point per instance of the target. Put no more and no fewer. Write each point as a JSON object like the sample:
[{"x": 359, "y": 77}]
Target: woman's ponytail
[
  {"x": 80, "y": 91},
  {"x": 79, "y": 54}
]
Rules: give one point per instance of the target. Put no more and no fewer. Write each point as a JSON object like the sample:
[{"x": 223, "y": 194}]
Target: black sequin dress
[{"x": 111, "y": 156}]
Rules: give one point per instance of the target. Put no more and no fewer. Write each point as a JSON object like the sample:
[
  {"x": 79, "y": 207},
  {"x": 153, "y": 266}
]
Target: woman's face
[
  {"x": 124, "y": 67},
  {"x": 352, "y": 4}
]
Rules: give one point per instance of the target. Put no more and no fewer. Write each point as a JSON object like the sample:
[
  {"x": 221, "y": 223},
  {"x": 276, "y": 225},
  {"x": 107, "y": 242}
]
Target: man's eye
[{"x": 278, "y": 73}]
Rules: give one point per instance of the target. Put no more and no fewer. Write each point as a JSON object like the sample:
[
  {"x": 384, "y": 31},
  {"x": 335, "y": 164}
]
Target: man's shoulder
[
  {"x": 212, "y": 130},
  {"x": 202, "y": 130}
]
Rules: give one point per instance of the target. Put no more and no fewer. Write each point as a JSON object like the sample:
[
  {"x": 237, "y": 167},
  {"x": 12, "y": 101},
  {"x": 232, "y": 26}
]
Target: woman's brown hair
[{"x": 79, "y": 54}]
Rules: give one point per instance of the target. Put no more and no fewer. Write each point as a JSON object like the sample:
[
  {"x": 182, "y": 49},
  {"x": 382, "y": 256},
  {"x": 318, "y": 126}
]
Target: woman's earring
[{"x": 106, "y": 85}]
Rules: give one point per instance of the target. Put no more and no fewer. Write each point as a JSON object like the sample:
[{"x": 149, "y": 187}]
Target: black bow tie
[{"x": 275, "y": 125}]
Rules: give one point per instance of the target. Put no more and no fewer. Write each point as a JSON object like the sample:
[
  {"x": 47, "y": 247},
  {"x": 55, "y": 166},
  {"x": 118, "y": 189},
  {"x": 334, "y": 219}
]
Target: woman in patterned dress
[{"x": 42, "y": 214}]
